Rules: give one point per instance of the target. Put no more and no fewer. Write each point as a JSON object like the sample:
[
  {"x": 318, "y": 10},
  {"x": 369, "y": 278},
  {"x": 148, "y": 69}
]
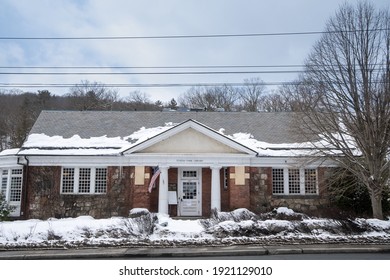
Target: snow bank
[{"x": 237, "y": 227}]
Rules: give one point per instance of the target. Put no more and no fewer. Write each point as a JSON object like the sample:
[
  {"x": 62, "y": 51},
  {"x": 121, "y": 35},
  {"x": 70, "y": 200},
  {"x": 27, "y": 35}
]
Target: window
[
  {"x": 84, "y": 180},
  {"x": 294, "y": 181},
  {"x": 310, "y": 181},
  {"x": 225, "y": 178},
  {"x": 101, "y": 180},
  {"x": 68, "y": 180},
  {"x": 15, "y": 189},
  {"x": 11, "y": 184},
  {"x": 277, "y": 181},
  {"x": 190, "y": 174},
  {"x": 4, "y": 181}
]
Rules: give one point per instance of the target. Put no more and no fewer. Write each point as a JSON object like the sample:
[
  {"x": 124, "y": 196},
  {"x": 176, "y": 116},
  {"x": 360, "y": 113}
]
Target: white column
[
  {"x": 215, "y": 188},
  {"x": 163, "y": 190}
]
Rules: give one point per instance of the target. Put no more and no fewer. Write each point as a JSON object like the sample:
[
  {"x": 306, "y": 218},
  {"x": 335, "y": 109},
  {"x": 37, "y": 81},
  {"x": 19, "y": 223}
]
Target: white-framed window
[
  {"x": 277, "y": 181},
  {"x": 188, "y": 174},
  {"x": 225, "y": 178},
  {"x": 294, "y": 181},
  {"x": 11, "y": 184},
  {"x": 84, "y": 180}
]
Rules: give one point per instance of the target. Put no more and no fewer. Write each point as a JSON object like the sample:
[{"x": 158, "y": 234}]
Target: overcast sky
[{"x": 131, "y": 18}]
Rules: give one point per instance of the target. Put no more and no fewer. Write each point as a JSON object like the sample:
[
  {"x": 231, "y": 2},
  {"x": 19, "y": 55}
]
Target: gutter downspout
[{"x": 25, "y": 184}]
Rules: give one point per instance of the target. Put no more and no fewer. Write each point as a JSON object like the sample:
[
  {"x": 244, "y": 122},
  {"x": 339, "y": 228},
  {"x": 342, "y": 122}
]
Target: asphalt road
[
  {"x": 246, "y": 252},
  {"x": 336, "y": 256}
]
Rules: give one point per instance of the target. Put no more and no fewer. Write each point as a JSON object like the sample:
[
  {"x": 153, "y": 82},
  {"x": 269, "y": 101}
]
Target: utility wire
[
  {"x": 152, "y": 67},
  {"x": 148, "y": 85},
  {"x": 189, "y": 36},
  {"x": 168, "y": 73},
  {"x": 170, "y": 85},
  {"x": 154, "y": 73}
]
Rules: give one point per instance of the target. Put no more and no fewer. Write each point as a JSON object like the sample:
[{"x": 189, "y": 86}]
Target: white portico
[{"x": 190, "y": 147}]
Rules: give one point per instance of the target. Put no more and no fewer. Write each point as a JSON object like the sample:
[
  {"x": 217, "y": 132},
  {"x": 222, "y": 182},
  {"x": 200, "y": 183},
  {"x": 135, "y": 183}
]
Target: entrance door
[{"x": 190, "y": 193}]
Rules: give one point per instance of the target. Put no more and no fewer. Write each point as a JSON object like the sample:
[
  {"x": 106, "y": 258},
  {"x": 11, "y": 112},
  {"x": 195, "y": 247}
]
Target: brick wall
[
  {"x": 206, "y": 192},
  {"x": 239, "y": 194}
]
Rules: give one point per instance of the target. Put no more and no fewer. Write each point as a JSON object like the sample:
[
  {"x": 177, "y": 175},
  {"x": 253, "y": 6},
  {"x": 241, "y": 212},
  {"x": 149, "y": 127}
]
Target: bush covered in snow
[{"x": 5, "y": 209}]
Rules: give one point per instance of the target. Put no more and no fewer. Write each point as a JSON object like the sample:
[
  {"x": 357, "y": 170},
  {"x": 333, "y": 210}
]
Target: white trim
[
  {"x": 76, "y": 181},
  {"x": 173, "y": 160},
  {"x": 302, "y": 179}
]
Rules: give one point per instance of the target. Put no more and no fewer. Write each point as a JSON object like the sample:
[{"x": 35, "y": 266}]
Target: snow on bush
[{"x": 284, "y": 210}]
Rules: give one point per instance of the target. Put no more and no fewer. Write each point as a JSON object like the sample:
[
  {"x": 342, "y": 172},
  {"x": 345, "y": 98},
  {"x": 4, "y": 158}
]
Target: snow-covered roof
[
  {"x": 9, "y": 152},
  {"x": 110, "y": 133}
]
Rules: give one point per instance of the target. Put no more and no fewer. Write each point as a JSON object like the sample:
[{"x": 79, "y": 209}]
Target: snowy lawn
[{"x": 224, "y": 228}]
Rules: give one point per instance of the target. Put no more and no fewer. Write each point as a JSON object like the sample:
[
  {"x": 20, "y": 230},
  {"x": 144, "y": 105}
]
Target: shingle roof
[{"x": 275, "y": 128}]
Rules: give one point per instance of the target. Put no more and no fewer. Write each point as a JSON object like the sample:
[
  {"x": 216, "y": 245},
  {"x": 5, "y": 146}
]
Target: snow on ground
[{"x": 237, "y": 227}]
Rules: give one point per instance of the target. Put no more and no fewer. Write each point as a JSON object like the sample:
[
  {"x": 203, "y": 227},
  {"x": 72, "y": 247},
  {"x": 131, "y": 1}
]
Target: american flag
[{"x": 157, "y": 172}]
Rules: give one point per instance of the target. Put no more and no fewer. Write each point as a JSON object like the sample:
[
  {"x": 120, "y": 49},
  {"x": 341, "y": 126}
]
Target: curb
[{"x": 179, "y": 252}]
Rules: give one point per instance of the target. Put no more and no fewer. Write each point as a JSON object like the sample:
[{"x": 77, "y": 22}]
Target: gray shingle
[{"x": 268, "y": 127}]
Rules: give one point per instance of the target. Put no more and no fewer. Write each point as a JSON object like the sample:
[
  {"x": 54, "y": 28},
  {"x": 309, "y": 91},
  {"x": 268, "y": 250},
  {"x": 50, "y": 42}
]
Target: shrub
[
  {"x": 5, "y": 209},
  {"x": 352, "y": 197}
]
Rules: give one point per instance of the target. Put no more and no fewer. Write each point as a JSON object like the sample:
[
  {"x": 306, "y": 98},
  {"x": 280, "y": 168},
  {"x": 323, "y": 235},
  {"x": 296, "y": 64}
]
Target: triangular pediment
[
  {"x": 190, "y": 141},
  {"x": 190, "y": 137}
]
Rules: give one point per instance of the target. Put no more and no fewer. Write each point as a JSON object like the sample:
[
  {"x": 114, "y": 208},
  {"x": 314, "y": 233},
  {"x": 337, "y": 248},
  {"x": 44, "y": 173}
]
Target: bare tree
[
  {"x": 138, "y": 100},
  {"x": 210, "y": 98},
  {"x": 285, "y": 99},
  {"x": 92, "y": 96},
  {"x": 347, "y": 78},
  {"x": 251, "y": 94},
  {"x": 138, "y": 97}
]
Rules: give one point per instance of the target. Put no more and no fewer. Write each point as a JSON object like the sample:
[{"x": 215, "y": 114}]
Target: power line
[
  {"x": 169, "y": 73},
  {"x": 157, "y": 85},
  {"x": 156, "y": 73},
  {"x": 373, "y": 66},
  {"x": 190, "y": 36},
  {"x": 147, "y": 85},
  {"x": 153, "y": 67}
]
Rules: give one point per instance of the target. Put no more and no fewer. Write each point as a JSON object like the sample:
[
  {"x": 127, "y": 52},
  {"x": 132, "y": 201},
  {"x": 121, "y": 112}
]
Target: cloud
[{"x": 75, "y": 18}]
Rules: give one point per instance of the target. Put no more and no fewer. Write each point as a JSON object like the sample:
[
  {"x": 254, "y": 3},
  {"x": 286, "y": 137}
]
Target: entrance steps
[{"x": 187, "y": 218}]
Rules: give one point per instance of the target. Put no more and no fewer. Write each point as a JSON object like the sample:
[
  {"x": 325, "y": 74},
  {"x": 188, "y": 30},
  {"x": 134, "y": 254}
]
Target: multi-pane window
[
  {"x": 15, "y": 189},
  {"x": 294, "y": 181},
  {"x": 190, "y": 174},
  {"x": 84, "y": 180},
  {"x": 4, "y": 182},
  {"x": 101, "y": 180},
  {"x": 310, "y": 181},
  {"x": 225, "y": 178},
  {"x": 11, "y": 184},
  {"x": 189, "y": 190},
  {"x": 67, "y": 180},
  {"x": 277, "y": 181}
]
